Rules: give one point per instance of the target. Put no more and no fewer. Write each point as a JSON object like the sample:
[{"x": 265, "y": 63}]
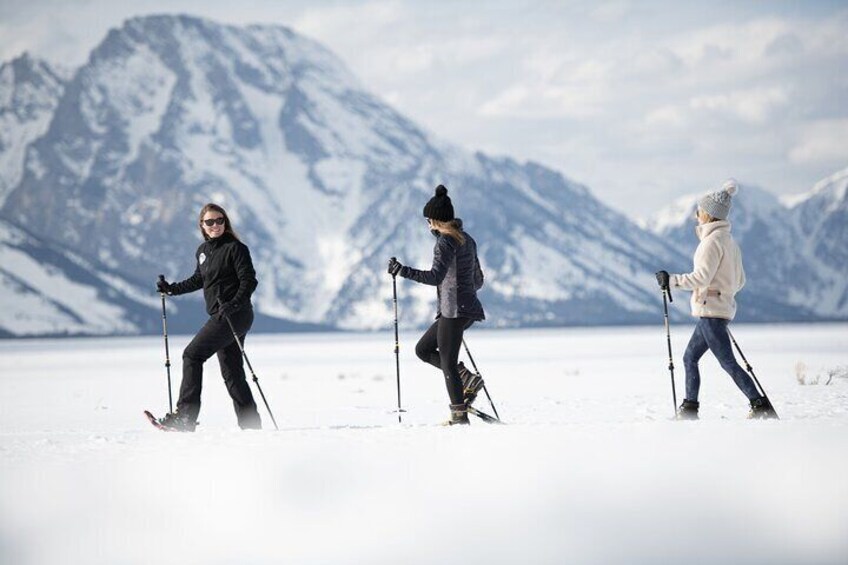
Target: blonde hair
[
  {"x": 450, "y": 228},
  {"x": 710, "y": 219}
]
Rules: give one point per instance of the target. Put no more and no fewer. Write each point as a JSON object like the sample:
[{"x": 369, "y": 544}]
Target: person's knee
[
  {"x": 423, "y": 351},
  {"x": 234, "y": 377},
  {"x": 192, "y": 354},
  {"x": 197, "y": 353},
  {"x": 232, "y": 368},
  {"x": 731, "y": 367},
  {"x": 690, "y": 359}
]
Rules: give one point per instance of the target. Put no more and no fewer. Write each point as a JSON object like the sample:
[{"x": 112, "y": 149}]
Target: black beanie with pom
[{"x": 439, "y": 207}]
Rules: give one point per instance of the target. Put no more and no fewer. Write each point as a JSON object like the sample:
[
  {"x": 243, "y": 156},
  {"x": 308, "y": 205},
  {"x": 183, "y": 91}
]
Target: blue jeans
[{"x": 711, "y": 333}]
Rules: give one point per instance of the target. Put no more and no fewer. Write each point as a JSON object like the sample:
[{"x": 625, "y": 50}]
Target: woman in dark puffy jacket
[
  {"x": 226, "y": 275},
  {"x": 457, "y": 276}
]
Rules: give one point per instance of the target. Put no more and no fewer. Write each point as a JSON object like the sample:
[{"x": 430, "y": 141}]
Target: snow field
[{"x": 591, "y": 468}]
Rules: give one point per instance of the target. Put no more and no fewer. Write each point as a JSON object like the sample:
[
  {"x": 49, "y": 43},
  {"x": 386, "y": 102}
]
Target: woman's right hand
[
  {"x": 394, "y": 267},
  {"x": 163, "y": 286}
]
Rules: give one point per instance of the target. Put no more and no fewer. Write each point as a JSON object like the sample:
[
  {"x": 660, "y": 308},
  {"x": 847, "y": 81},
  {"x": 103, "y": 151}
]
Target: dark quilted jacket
[{"x": 457, "y": 276}]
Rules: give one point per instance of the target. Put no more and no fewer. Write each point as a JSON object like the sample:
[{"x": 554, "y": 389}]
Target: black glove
[
  {"x": 226, "y": 309},
  {"x": 163, "y": 286},
  {"x": 394, "y": 267},
  {"x": 662, "y": 279}
]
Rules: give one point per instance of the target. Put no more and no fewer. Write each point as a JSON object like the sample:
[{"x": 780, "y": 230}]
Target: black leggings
[{"x": 439, "y": 346}]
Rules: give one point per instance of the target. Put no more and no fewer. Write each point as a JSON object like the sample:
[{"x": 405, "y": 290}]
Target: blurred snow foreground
[{"x": 591, "y": 468}]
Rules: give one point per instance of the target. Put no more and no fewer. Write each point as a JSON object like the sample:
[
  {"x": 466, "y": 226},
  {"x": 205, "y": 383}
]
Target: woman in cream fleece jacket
[{"x": 716, "y": 278}]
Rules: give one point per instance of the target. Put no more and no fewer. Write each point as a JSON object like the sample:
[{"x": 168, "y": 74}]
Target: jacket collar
[
  {"x": 704, "y": 230},
  {"x": 216, "y": 241}
]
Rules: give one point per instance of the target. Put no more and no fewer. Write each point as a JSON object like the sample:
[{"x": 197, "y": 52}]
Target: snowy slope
[
  {"x": 590, "y": 469},
  {"x": 793, "y": 252},
  {"x": 47, "y": 291}
]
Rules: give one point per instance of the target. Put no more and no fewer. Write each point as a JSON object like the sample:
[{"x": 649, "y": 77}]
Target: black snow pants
[
  {"x": 217, "y": 337},
  {"x": 439, "y": 346}
]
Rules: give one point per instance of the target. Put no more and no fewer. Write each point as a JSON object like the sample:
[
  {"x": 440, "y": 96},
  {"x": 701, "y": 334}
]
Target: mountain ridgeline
[{"x": 105, "y": 168}]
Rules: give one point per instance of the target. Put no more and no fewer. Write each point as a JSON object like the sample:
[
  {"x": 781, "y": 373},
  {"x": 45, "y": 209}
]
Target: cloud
[
  {"x": 785, "y": 45},
  {"x": 419, "y": 57},
  {"x": 666, "y": 116},
  {"x": 387, "y": 38},
  {"x": 729, "y": 44},
  {"x": 602, "y": 91},
  {"x": 753, "y": 106},
  {"x": 827, "y": 37},
  {"x": 608, "y": 12},
  {"x": 545, "y": 101},
  {"x": 351, "y": 19},
  {"x": 657, "y": 61},
  {"x": 824, "y": 141}
]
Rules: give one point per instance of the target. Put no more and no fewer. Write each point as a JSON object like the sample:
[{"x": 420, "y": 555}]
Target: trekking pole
[
  {"x": 397, "y": 346},
  {"x": 167, "y": 351},
  {"x": 667, "y": 292},
  {"x": 249, "y": 366},
  {"x": 476, "y": 370},
  {"x": 750, "y": 369}
]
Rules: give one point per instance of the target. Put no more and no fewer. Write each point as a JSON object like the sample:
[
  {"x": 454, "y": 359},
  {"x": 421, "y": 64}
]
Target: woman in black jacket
[
  {"x": 457, "y": 276},
  {"x": 226, "y": 275}
]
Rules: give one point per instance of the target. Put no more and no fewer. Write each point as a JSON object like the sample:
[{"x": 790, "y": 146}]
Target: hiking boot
[
  {"x": 688, "y": 410},
  {"x": 761, "y": 409},
  {"x": 459, "y": 415},
  {"x": 471, "y": 383},
  {"x": 249, "y": 420},
  {"x": 178, "y": 422}
]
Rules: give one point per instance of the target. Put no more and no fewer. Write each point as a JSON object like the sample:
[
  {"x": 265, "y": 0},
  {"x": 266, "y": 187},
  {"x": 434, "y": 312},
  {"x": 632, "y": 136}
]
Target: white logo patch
[{"x": 202, "y": 258}]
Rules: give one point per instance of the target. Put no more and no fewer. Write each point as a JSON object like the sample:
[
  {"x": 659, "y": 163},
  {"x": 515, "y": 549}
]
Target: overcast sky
[{"x": 642, "y": 101}]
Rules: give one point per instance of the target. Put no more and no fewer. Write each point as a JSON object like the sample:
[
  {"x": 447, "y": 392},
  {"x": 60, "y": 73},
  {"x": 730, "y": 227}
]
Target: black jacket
[
  {"x": 225, "y": 270},
  {"x": 457, "y": 275}
]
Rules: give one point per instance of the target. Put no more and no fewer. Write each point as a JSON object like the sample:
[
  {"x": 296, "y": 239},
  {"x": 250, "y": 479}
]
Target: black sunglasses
[{"x": 212, "y": 222}]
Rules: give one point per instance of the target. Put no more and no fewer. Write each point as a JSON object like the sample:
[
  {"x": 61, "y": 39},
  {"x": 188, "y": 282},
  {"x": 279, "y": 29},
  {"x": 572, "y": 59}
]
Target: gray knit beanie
[{"x": 717, "y": 204}]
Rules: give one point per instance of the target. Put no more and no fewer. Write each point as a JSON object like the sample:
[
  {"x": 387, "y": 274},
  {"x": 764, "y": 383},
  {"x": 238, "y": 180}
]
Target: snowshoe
[
  {"x": 762, "y": 409},
  {"x": 489, "y": 419},
  {"x": 471, "y": 383},
  {"x": 688, "y": 410},
  {"x": 459, "y": 415},
  {"x": 172, "y": 422}
]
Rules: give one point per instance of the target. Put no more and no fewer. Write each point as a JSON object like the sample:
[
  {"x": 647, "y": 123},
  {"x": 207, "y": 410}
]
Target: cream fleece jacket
[{"x": 718, "y": 274}]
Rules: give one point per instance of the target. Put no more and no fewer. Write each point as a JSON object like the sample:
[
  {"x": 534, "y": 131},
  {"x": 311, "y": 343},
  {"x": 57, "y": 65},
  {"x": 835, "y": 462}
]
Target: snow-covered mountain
[
  {"x": 794, "y": 250},
  {"x": 821, "y": 220},
  {"x": 29, "y": 92},
  {"x": 324, "y": 182}
]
